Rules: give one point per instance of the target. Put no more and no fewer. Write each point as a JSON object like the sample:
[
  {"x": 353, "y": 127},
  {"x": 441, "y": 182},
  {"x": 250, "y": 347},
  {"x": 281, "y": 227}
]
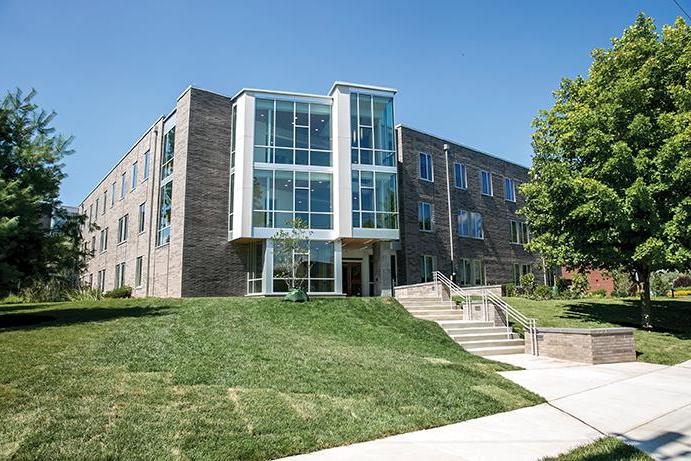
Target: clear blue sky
[{"x": 474, "y": 72}]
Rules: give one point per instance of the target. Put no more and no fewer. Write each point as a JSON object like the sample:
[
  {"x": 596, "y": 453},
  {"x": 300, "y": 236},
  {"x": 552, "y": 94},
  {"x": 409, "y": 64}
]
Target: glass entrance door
[{"x": 352, "y": 278}]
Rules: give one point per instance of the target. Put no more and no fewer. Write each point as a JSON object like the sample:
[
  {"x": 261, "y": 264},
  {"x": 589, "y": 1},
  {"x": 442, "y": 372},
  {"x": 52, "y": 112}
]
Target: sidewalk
[{"x": 648, "y": 405}]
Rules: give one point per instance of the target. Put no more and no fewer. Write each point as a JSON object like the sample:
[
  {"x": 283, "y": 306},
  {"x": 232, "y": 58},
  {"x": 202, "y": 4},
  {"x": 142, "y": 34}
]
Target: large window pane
[
  {"x": 284, "y": 191},
  {"x": 320, "y": 191},
  {"x": 353, "y": 120},
  {"x": 320, "y": 221},
  {"x": 284, "y": 123},
  {"x": 365, "y": 109},
  {"x": 383, "y": 123},
  {"x": 355, "y": 186},
  {"x": 263, "y": 186},
  {"x": 322, "y": 259},
  {"x": 302, "y": 199},
  {"x": 263, "y": 122},
  {"x": 301, "y": 114},
  {"x": 320, "y": 126},
  {"x": 385, "y": 184}
]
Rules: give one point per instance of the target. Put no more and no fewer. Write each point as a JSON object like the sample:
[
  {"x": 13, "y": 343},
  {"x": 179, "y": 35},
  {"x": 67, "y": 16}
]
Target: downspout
[
  {"x": 152, "y": 185},
  {"x": 448, "y": 201}
]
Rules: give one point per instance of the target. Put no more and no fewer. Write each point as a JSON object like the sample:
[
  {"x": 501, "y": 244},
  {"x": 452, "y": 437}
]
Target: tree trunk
[{"x": 646, "y": 308}]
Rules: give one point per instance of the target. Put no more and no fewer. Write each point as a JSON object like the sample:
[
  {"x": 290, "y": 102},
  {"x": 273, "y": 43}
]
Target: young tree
[
  {"x": 291, "y": 254},
  {"x": 30, "y": 176},
  {"x": 611, "y": 175}
]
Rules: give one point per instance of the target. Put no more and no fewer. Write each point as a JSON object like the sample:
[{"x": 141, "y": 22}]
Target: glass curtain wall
[
  {"x": 374, "y": 199},
  {"x": 283, "y": 195},
  {"x": 313, "y": 267},
  {"x": 292, "y": 133}
]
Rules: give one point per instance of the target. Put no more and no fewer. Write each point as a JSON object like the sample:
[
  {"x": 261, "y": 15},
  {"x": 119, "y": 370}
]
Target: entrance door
[{"x": 352, "y": 278}]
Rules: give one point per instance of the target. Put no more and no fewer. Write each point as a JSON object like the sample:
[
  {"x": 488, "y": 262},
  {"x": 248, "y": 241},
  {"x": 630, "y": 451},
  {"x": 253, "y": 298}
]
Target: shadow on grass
[
  {"x": 668, "y": 316},
  {"x": 74, "y": 315},
  {"x": 25, "y": 307}
]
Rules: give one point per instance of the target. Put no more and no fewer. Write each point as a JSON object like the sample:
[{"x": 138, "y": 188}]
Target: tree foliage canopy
[
  {"x": 30, "y": 176},
  {"x": 611, "y": 175}
]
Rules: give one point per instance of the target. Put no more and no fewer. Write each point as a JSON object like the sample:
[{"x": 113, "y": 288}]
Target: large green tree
[
  {"x": 611, "y": 178},
  {"x": 30, "y": 175}
]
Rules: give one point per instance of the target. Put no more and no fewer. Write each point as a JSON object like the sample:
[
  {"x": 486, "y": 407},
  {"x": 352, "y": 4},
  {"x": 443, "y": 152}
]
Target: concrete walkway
[{"x": 647, "y": 405}]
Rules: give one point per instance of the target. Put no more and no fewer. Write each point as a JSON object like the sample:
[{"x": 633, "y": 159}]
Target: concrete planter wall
[{"x": 593, "y": 346}]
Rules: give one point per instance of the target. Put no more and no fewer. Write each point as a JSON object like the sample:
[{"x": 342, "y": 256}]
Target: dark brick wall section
[
  {"x": 211, "y": 265},
  {"x": 495, "y": 250}
]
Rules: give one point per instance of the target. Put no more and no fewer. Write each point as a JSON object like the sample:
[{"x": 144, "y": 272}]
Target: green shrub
[
  {"x": 623, "y": 286},
  {"x": 599, "y": 293},
  {"x": 458, "y": 299},
  {"x": 509, "y": 289},
  {"x": 562, "y": 284},
  {"x": 85, "y": 294},
  {"x": 11, "y": 299},
  {"x": 661, "y": 282},
  {"x": 122, "y": 292},
  {"x": 42, "y": 291},
  {"x": 682, "y": 281},
  {"x": 528, "y": 283},
  {"x": 580, "y": 284},
  {"x": 542, "y": 292}
]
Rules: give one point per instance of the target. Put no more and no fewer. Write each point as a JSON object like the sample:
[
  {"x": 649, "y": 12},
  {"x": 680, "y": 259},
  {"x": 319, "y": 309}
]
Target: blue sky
[{"x": 474, "y": 72}]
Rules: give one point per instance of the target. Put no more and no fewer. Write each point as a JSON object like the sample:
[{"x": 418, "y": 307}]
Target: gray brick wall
[
  {"x": 211, "y": 266},
  {"x": 495, "y": 249}
]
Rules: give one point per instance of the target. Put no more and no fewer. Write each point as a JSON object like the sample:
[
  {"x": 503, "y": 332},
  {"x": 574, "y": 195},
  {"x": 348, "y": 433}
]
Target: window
[
  {"x": 96, "y": 211},
  {"x": 374, "y": 199},
  {"x": 104, "y": 240},
  {"x": 463, "y": 223},
  {"x": 231, "y": 201},
  {"x": 105, "y": 195},
  {"x": 470, "y": 224},
  {"x": 120, "y": 275},
  {"x": 471, "y": 272},
  {"x": 426, "y": 172},
  {"x": 142, "y": 217},
  {"x": 91, "y": 213},
  {"x": 233, "y": 134},
  {"x": 93, "y": 245},
  {"x": 138, "y": 271},
  {"x": 122, "y": 229},
  {"x": 255, "y": 267},
  {"x": 291, "y": 132},
  {"x": 147, "y": 162},
  {"x": 168, "y": 154},
  {"x": 428, "y": 264},
  {"x": 372, "y": 130},
  {"x": 460, "y": 176},
  {"x": 91, "y": 280},
  {"x": 112, "y": 195},
  {"x": 519, "y": 232},
  {"x": 519, "y": 270},
  {"x": 316, "y": 268},
  {"x": 165, "y": 213},
  {"x": 134, "y": 175},
  {"x": 424, "y": 216},
  {"x": 283, "y": 195},
  {"x": 123, "y": 183},
  {"x": 101, "y": 280},
  {"x": 486, "y": 183},
  {"x": 509, "y": 189}
]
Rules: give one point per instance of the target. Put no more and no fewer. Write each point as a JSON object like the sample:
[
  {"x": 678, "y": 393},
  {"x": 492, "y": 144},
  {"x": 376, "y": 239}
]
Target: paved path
[{"x": 648, "y": 405}]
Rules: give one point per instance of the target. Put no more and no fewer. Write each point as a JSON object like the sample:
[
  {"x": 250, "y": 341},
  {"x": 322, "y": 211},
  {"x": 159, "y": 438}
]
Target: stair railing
[
  {"x": 454, "y": 290},
  {"x": 529, "y": 324}
]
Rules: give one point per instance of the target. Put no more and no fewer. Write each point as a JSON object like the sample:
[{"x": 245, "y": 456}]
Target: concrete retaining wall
[{"x": 594, "y": 346}]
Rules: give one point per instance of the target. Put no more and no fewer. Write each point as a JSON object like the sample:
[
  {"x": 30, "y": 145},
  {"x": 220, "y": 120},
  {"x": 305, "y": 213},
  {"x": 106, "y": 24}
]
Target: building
[
  {"x": 458, "y": 213},
  {"x": 192, "y": 207}
]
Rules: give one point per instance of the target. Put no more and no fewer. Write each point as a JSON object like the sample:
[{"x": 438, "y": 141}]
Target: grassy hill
[{"x": 229, "y": 378}]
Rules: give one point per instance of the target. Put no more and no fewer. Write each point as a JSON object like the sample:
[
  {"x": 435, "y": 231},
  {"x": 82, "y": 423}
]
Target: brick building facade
[{"x": 191, "y": 209}]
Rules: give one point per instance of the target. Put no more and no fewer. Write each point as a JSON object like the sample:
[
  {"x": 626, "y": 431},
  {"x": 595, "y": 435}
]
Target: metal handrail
[
  {"x": 529, "y": 324},
  {"x": 454, "y": 290}
]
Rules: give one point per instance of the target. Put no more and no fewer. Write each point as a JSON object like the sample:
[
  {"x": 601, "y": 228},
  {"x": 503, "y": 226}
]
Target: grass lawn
[
  {"x": 608, "y": 448},
  {"x": 229, "y": 378},
  {"x": 669, "y": 342}
]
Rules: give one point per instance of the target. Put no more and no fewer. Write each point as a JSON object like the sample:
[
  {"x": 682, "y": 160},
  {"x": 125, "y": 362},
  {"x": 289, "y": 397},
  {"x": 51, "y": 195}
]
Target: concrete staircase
[{"x": 477, "y": 337}]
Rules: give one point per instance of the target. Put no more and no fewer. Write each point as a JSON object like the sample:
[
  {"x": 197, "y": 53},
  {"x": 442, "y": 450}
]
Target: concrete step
[
  {"x": 448, "y": 324},
  {"x": 419, "y": 299},
  {"x": 452, "y": 330},
  {"x": 436, "y": 311},
  {"x": 489, "y": 351},
  {"x": 473, "y": 345},
  {"x": 438, "y": 317},
  {"x": 422, "y": 307},
  {"x": 464, "y": 338},
  {"x": 410, "y": 304}
]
